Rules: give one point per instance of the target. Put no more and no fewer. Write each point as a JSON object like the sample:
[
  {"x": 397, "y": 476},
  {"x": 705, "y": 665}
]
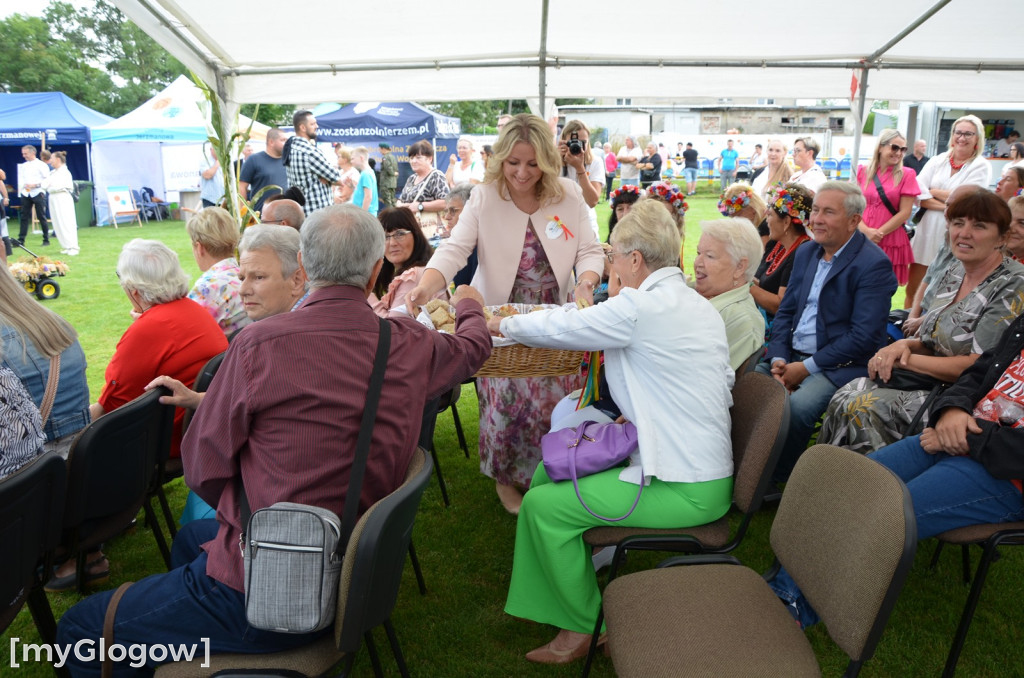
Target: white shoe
[{"x": 603, "y": 558}]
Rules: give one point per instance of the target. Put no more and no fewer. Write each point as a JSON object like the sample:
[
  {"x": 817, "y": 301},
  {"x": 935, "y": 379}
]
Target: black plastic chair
[
  {"x": 172, "y": 468},
  {"x": 370, "y": 578},
  {"x": 31, "y": 510},
  {"x": 112, "y": 468}
]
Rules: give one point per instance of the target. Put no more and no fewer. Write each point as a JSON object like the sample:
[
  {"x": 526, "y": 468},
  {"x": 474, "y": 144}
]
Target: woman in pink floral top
[
  {"x": 406, "y": 252},
  {"x": 214, "y": 237}
]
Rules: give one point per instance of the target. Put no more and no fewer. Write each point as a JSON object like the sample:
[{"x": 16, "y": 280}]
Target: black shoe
[{"x": 46, "y": 243}]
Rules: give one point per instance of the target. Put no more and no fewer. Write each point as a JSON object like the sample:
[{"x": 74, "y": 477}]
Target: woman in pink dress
[{"x": 888, "y": 210}]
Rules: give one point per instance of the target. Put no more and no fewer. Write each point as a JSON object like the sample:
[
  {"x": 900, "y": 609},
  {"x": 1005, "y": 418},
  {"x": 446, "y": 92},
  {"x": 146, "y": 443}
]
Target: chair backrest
[
  {"x": 760, "y": 419},
  {"x": 114, "y": 459},
  {"x": 750, "y": 363},
  {"x": 375, "y": 556},
  {"x": 31, "y": 510},
  {"x": 846, "y": 532},
  {"x": 206, "y": 374}
]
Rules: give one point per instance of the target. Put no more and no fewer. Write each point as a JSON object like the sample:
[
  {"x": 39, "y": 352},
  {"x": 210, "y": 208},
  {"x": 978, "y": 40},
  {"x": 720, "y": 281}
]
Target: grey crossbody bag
[{"x": 293, "y": 552}]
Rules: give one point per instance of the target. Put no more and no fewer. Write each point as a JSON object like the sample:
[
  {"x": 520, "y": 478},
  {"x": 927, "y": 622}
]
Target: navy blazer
[{"x": 852, "y": 310}]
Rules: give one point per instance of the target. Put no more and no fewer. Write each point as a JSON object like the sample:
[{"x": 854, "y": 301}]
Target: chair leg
[
  {"x": 593, "y": 643},
  {"x": 158, "y": 533},
  {"x": 458, "y": 430},
  {"x": 346, "y": 665},
  {"x": 80, "y": 566},
  {"x": 440, "y": 478},
  {"x": 172, "y": 527},
  {"x": 371, "y": 647},
  {"x": 396, "y": 649},
  {"x": 965, "y": 557},
  {"x": 42, "y": 614},
  {"x": 973, "y": 597},
  {"x": 416, "y": 569},
  {"x": 935, "y": 556}
]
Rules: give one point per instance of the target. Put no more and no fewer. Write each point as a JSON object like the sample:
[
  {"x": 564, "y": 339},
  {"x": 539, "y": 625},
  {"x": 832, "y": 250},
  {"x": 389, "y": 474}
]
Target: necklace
[
  {"x": 955, "y": 167},
  {"x": 779, "y": 254}
]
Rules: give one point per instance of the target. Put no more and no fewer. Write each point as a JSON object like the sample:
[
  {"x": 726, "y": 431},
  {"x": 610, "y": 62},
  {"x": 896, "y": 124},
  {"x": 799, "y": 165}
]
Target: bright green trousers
[{"x": 553, "y": 578}]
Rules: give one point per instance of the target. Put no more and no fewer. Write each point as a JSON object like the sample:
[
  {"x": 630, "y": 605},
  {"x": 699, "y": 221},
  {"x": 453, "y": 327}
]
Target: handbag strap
[
  {"x": 107, "y": 668},
  {"x": 51, "y": 389},
  {"x": 576, "y": 486},
  {"x": 885, "y": 199},
  {"x": 355, "y": 483}
]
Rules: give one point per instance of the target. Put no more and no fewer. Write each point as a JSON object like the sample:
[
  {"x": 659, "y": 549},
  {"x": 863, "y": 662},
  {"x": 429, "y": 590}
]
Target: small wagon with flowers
[{"x": 39, "y": 275}]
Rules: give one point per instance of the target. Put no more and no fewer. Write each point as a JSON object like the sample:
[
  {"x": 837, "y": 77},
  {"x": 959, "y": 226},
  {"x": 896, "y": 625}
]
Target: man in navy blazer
[{"x": 832, "y": 318}]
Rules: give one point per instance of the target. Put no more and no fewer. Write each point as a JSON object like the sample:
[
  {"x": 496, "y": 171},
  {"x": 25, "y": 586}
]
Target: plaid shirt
[{"x": 306, "y": 167}]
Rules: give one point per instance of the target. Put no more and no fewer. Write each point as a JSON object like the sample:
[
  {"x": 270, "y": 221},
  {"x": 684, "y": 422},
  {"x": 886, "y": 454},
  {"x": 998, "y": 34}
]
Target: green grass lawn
[{"x": 459, "y": 628}]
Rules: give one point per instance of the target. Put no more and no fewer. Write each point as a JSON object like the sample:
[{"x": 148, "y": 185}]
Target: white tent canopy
[{"x": 255, "y": 50}]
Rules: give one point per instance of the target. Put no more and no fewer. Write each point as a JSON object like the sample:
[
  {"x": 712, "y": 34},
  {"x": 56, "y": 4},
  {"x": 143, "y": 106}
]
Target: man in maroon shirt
[{"x": 284, "y": 412}]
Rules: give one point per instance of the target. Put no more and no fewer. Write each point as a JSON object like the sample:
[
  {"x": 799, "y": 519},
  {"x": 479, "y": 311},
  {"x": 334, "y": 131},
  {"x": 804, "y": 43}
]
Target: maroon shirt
[{"x": 286, "y": 404}]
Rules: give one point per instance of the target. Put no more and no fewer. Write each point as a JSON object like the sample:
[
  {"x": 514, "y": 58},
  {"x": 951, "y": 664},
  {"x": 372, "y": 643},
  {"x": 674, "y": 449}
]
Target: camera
[{"x": 575, "y": 145}]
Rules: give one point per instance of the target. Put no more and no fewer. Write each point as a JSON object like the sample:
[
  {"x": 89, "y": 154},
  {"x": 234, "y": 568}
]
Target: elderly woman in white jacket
[{"x": 667, "y": 363}]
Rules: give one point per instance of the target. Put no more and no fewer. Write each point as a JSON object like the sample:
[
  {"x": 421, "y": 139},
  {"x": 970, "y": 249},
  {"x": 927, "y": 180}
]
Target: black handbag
[{"x": 905, "y": 380}]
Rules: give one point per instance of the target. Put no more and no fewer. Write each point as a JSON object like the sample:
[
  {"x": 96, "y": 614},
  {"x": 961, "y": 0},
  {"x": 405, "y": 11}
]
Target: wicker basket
[{"x": 518, "y": 361}]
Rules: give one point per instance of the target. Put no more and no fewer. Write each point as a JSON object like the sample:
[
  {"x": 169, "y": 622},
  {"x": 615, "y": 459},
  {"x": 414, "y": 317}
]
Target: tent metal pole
[
  {"x": 542, "y": 72},
  {"x": 861, "y": 101},
  {"x": 907, "y": 31}
]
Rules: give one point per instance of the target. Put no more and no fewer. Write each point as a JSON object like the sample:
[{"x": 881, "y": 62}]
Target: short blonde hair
[
  {"x": 651, "y": 231},
  {"x": 534, "y": 131},
  {"x": 755, "y": 202},
  {"x": 215, "y": 230},
  {"x": 979, "y": 128},
  {"x": 741, "y": 241},
  {"x": 343, "y": 152}
]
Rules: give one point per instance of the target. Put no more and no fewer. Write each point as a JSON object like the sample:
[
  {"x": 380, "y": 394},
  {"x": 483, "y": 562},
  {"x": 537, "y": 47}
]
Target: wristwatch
[{"x": 419, "y": 206}]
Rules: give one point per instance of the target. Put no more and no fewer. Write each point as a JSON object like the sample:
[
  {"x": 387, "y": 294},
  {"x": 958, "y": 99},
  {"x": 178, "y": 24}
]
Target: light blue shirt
[{"x": 805, "y": 335}]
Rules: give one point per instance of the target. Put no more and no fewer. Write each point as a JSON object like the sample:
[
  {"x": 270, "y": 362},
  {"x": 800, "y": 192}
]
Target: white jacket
[{"x": 667, "y": 363}]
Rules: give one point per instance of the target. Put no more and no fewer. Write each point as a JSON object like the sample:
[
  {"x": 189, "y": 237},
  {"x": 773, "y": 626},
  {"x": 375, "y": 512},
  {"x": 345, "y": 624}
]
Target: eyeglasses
[
  {"x": 896, "y": 148},
  {"x": 400, "y": 233},
  {"x": 451, "y": 212},
  {"x": 272, "y": 221},
  {"x": 965, "y": 135},
  {"x": 611, "y": 255}
]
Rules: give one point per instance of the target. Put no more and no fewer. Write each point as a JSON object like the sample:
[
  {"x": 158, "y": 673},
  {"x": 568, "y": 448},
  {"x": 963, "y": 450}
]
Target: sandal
[{"x": 70, "y": 581}]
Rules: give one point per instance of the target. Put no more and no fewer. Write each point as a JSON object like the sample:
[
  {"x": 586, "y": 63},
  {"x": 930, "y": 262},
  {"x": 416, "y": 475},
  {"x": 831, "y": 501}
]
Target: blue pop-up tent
[
  {"x": 35, "y": 117},
  {"x": 400, "y": 124}
]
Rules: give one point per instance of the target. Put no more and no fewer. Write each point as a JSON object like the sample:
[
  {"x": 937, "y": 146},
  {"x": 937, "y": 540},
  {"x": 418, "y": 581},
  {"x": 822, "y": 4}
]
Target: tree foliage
[
  {"x": 94, "y": 55},
  {"x": 481, "y": 117}
]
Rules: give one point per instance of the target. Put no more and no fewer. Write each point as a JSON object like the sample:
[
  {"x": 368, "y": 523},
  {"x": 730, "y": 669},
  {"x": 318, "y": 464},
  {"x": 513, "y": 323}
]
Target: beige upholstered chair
[{"x": 724, "y": 620}]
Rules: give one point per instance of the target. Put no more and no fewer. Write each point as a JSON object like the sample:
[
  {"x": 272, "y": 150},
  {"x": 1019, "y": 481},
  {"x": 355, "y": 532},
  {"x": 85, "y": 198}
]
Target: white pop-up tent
[
  {"x": 158, "y": 145},
  {"x": 912, "y": 49}
]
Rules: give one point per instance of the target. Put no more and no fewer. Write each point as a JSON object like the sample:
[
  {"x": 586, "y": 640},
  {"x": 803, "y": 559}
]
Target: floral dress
[
  {"x": 515, "y": 413},
  {"x": 217, "y": 290},
  {"x": 864, "y": 417}
]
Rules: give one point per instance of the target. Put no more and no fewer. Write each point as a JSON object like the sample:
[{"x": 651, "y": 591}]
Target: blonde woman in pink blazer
[{"x": 533, "y": 237}]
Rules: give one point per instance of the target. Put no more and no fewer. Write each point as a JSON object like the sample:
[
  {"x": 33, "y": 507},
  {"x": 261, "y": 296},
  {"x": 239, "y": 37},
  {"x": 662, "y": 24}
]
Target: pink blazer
[{"x": 496, "y": 227}]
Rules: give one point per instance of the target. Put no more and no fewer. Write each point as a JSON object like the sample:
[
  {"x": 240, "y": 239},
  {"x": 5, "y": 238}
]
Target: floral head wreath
[
  {"x": 789, "y": 204},
  {"x": 729, "y": 207},
  {"x": 671, "y": 194},
  {"x": 625, "y": 190}
]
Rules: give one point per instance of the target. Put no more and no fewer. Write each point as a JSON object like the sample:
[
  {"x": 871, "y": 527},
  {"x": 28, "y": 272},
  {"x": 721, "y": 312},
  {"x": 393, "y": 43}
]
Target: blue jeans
[
  {"x": 949, "y": 492},
  {"x": 690, "y": 174},
  {"x": 806, "y": 405},
  {"x": 629, "y": 182},
  {"x": 180, "y": 606}
]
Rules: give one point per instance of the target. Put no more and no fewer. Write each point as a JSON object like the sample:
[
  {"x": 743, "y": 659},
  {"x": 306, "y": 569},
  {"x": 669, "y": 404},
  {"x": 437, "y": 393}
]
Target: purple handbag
[{"x": 571, "y": 453}]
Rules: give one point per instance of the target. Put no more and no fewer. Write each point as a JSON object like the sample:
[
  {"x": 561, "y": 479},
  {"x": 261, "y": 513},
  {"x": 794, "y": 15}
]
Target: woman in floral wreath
[
  {"x": 742, "y": 201},
  {"x": 889, "y": 208},
  {"x": 788, "y": 210},
  {"x": 675, "y": 201},
  {"x": 623, "y": 199},
  {"x": 523, "y": 207}
]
